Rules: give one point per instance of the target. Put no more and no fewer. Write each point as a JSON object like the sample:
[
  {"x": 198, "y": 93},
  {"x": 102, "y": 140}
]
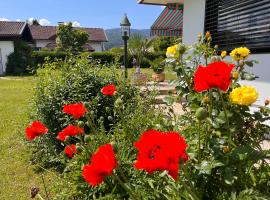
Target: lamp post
[{"x": 125, "y": 29}]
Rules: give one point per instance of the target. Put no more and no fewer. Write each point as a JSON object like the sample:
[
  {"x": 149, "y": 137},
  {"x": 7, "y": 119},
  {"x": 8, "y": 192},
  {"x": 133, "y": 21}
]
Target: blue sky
[{"x": 89, "y": 13}]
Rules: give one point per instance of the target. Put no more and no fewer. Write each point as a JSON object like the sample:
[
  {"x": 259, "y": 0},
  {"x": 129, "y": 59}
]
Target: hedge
[{"x": 105, "y": 57}]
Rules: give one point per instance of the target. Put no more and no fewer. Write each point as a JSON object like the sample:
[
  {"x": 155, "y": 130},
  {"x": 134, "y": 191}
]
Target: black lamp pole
[{"x": 125, "y": 28}]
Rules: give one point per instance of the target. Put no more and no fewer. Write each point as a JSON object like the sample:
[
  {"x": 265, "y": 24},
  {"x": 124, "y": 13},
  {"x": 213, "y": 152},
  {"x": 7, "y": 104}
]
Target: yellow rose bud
[
  {"x": 235, "y": 75},
  {"x": 226, "y": 149},
  {"x": 200, "y": 36},
  {"x": 223, "y": 54},
  {"x": 207, "y": 35},
  {"x": 205, "y": 100},
  {"x": 266, "y": 102}
]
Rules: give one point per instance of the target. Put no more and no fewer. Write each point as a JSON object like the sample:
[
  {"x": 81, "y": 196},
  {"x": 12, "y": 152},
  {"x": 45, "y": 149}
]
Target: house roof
[
  {"x": 8, "y": 28},
  {"x": 49, "y": 33},
  {"x": 15, "y": 30},
  {"x": 160, "y": 2}
]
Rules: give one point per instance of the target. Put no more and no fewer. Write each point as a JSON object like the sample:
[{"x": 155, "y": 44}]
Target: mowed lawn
[{"x": 16, "y": 173}]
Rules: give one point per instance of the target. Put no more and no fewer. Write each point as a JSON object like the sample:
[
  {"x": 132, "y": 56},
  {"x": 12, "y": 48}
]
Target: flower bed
[{"x": 211, "y": 152}]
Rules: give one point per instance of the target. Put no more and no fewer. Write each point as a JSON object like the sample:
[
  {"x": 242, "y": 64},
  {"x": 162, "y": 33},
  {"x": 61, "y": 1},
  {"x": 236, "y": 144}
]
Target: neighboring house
[
  {"x": 10, "y": 32},
  {"x": 232, "y": 24},
  {"x": 45, "y": 37},
  {"x": 40, "y": 37}
]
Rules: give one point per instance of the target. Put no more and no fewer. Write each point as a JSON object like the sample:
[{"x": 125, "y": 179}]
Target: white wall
[
  {"x": 98, "y": 46},
  {"x": 194, "y": 11},
  {"x": 7, "y": 47},
  {"x": 43, "y": 43}
]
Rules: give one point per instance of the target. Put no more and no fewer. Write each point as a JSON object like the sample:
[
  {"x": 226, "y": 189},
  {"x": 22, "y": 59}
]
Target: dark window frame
[{"x": 235, "y": 23}]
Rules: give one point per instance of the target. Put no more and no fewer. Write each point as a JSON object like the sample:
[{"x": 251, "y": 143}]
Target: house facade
[
  {"x": 232, "y": 24},
  {"x": 9, "y": 33},
  {"x": 45, "y": 37},
  {"x": 40, "y": 37}
]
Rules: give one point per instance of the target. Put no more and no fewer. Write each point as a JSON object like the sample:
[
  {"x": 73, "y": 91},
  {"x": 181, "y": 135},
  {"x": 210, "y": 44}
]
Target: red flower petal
[
  {"x": 159, "y": 151},
  {"x": 109, "y": 90},
  {"x": 76, "y": 110},
  {"x": 70, "y": 150},
  {"x": 215, "y": 75},
  {"x": 103, "y": 162},
  {"x": 35, "y": 129},
  {"x": 70, "y": 131}
]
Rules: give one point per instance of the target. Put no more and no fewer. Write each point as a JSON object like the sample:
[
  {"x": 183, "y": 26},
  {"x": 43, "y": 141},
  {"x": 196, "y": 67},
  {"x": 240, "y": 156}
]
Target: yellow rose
[
  {"x": 172, "y": 51},
  {"x": 245, "y": 95},
  {"x": 240, "y": 53},
  {"x": 223, "y": 54}
]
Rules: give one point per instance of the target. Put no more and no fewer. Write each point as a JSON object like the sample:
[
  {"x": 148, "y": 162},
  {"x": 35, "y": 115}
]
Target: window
[{"x": 235, "y": 23}]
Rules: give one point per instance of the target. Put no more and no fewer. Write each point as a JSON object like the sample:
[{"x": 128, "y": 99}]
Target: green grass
[{"x": 16, "y": 173}]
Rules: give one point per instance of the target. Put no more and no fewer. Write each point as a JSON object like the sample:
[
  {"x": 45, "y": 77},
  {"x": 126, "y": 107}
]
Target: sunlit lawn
[{"x": 16, "y": 173}]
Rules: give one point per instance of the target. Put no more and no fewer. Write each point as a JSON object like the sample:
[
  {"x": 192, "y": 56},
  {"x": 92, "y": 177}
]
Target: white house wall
[
  {"x": 194, "y": 14},
  {"x": 43, "y": 43},
  {"x": 7, "y": 47},
  {"x": 98, "y": 46}
]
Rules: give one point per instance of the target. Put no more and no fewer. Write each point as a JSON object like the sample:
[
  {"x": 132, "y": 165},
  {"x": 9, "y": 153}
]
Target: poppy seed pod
[
  {"x": 201, "y": 114},
  {"x": 182, "y": 49}
]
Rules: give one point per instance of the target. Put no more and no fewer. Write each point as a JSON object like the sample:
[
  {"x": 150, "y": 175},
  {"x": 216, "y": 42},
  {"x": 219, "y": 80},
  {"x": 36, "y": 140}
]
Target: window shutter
[{"x": 235, "y": 23}]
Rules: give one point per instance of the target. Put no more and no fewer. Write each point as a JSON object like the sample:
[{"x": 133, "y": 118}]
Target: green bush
[
  {"x": 20, "y": 59},
  {"x": 76, "y": 80},
  {"x": 39, "y": 56},
  {"x": 103, "y": 57}
]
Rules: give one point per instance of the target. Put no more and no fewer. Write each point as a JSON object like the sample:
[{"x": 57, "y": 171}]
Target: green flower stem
[
  {"x": 199, "y": 143},
  {"x": 128, "y": 190},
  {"x": 184, "y": 73},
  {"x": 226, "y": 117},
  {"x": 45, "y": 188},
  {"x": 188, "y": 187},
  {"x": 40, "y": 197}
]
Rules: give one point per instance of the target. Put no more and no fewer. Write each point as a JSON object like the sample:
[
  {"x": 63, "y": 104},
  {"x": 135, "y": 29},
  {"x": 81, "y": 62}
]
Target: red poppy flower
[
  {"x": 69, "y": 131},
  {"x": 215, "y": 75},
  {"x": 35, "y": 129},
  {"x": 159, "y": 151},
  {"x": 76, "y": 110},
  {"x": 109, "y": 90},
  {"x": 70, "y": 150},
  {"x": 103, "y": 162}
]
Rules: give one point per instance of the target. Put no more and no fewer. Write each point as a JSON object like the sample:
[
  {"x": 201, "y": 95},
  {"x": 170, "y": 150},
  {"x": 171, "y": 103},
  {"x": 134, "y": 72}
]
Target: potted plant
[{"x": 158, "y": 66}]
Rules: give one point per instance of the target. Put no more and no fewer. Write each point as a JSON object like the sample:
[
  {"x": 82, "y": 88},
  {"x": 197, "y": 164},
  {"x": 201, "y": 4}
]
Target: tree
[
  {"x": 35, "y": 22},
  {"x": 163, "y": 42},
  {"x": 70, "y": 39},
  {"x": 139, "y": 47}
]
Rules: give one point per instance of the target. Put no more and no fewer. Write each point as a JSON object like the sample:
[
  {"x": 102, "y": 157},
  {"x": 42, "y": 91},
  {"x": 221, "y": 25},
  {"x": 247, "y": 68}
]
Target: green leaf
[{"x": 249, "y": 63}]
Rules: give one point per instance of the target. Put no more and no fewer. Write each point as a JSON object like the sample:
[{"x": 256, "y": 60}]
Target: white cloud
[
  {"x": 44, "y": 22},
  {"x": 76, "y": 24},
  {"x": 18, "y": 20},
  {"x": 4, "y": 19},
  {"x": 30, "y": 20}
]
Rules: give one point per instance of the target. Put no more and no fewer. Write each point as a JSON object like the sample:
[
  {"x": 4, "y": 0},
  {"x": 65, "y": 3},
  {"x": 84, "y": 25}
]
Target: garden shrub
[
  {"x": 20, "y": 59},
  {"x": 103, "y": 57},
  {"x": 39, "y": 56},
  {"x": 74, "y": 80}
]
